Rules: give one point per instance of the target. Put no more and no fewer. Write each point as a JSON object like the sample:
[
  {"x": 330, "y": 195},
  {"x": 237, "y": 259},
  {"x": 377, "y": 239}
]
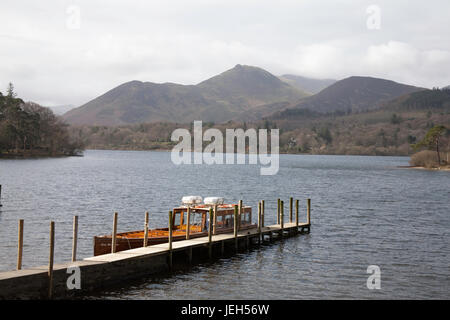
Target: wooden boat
[{"x": 199, "y": 219}]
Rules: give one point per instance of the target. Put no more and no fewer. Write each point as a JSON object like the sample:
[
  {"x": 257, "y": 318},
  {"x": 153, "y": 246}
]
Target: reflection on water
[{"x": 365, "y": 212}]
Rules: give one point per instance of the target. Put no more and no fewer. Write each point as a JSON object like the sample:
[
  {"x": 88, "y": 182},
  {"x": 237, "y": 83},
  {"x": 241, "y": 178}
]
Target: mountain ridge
[
  {"x": 355, "y": 94},
  {"x": 242, "y": 93},
  {"x": 220, "y": 98}
]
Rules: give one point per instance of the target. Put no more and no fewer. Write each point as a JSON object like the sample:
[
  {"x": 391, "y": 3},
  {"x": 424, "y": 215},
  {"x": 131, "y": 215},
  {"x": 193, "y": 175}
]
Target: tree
[
  {"x": 395, "y": 119},
  {"x": 10, "y": 91},
  {"x": 432, "y": 139},
  {"x": 325, "y": 134},
  {"x": 29, "y": 128}
]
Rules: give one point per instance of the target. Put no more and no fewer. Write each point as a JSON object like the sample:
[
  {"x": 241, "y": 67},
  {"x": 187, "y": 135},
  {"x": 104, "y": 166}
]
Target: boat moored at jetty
[{"x": 198, "y": 212}]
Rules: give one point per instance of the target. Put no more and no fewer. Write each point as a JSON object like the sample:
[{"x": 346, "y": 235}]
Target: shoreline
[
  {"x": 40, "y": 156},
  {"x": 22, "y": 156},
  {"x": 281, "y": 152},
  {"x": 447, "y": 168}
]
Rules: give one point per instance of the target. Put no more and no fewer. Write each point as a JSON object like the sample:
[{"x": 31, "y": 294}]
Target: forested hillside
[
  {"x": 387, "y": 131},
  {"x": 27, "y": 129}
]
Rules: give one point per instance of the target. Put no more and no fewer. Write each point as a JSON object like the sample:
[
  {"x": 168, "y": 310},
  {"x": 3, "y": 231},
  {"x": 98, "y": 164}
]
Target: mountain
[
  {"x": 310, "y": 85},
  {"x": 227, "y": 96},
  {"x": 254, "y": 85},
  {"x": 436, "y": 99},
  {"x": 354, "y": 94}
]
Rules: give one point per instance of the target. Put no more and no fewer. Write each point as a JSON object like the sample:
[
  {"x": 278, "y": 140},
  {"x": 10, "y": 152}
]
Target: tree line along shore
[{"x": 30, "y": 130}]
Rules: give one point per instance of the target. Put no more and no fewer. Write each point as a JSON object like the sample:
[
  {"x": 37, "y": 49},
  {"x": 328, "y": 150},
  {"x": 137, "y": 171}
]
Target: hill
[
  {"x": 309, "y": 85},
  {"x": 227, "y": 96},
  {"x": 389, "y": 130},
  {"x": 354, "y": 94},
  {"x": 421, "y": 100}
]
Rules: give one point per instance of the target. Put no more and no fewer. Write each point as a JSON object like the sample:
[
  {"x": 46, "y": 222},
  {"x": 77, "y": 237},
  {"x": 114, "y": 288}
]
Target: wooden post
[
  {"x": 296, "y": 215},
  {"x": 74, "y": 238},
  {"x": 170, "y": 238},
  {"x": 215, "y": 219},
  {"x": 210, "y": 231},
  {"x": 308, "y": 211},
  {"x": 188, "y": 233},
  {"x": 50, "y": 262},
  {"x": 146, "y": 229},
  {"x": 235, "y": 227},
  {"x": 114, "y": 234},
  {"x": 20, "y": 245},
  {"x": 188, "y": 225},
  {"x": 282, "y": 217},
  {"x": 291, "y": 208},
  {"x": 240, "y": 214},
  {"x": 278, "y": 211},
  {"x": 259, "y": 222},
  {"x": 262, "y": 213}
]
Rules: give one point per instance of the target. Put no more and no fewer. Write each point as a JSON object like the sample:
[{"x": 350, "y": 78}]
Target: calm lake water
[{"x": 365, "y": 211}]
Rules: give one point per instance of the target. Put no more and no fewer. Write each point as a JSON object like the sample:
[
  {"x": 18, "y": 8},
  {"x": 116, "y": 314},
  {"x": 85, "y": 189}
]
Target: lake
[{"x": 365, "y": 211}]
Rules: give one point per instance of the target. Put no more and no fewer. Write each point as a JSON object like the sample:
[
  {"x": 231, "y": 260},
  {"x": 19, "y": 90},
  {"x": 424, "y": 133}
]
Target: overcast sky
[{"x": 69, "y": 52}]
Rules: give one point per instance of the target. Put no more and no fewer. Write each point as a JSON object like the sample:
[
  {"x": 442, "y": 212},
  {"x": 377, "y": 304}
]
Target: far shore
[
  {"x": 445, "y": 168},
  {"x": 35, "y": 155},
  {"x": 168, "y": 149}
]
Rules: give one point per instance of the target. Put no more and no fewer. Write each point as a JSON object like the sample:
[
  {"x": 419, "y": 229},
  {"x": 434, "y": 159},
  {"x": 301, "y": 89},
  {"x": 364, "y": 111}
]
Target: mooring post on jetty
[
  {"x": 278, "y": 210},
  {"x": 259, "y": 222},
  {"x": 308, "y": 211},
  {"x": 296, "y": 215},
  {"x": 146, "y": 229},
  {"x": 240, "y": 214},
  {"x": 50, "y": 262},
  {"x": 281, "y": 217},
  {"x": 210, "y": 231},
  {"x": 188, "y": 225},
  {"x": 74, "y": 238},
  {"x": 291, "y": 208},
  {"x": 170, "y": 238},
  {"x": 235, "y": 226},
  {"x": 114, "y": 234},
  {"x": 262, "y": 213},
  {"x": 20, "y": 245},
  {"x": 215, "y": 219}
]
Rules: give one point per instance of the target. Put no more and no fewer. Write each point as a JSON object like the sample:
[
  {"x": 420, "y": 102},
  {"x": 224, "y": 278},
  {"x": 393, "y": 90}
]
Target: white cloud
[{"x": 187, "y": 42}]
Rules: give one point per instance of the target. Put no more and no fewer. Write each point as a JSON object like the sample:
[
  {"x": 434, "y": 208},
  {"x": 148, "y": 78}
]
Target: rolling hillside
[{"x": 354, "y": 94}]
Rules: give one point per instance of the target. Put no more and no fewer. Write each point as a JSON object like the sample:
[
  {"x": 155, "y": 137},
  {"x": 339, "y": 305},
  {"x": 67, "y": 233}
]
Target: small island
[
  {"x": 432, "y": 157},
  {"x": 30, "y": 130}
]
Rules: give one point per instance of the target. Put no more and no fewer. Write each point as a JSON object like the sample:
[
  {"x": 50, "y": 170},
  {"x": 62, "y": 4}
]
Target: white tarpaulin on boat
[
  {"x": 191, "y": 200},
  {"x": 213, "y": 200}
]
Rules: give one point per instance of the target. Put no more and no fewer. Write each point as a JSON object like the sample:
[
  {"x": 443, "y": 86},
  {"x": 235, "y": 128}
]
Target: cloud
[
  {"x": 186, "y": 42},
  {"x": 395, "y": 60}
]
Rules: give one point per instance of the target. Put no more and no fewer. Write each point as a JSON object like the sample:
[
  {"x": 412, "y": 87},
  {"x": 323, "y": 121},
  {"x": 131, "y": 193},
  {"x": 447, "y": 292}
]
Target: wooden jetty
[{"x": 104, "y": 271}]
